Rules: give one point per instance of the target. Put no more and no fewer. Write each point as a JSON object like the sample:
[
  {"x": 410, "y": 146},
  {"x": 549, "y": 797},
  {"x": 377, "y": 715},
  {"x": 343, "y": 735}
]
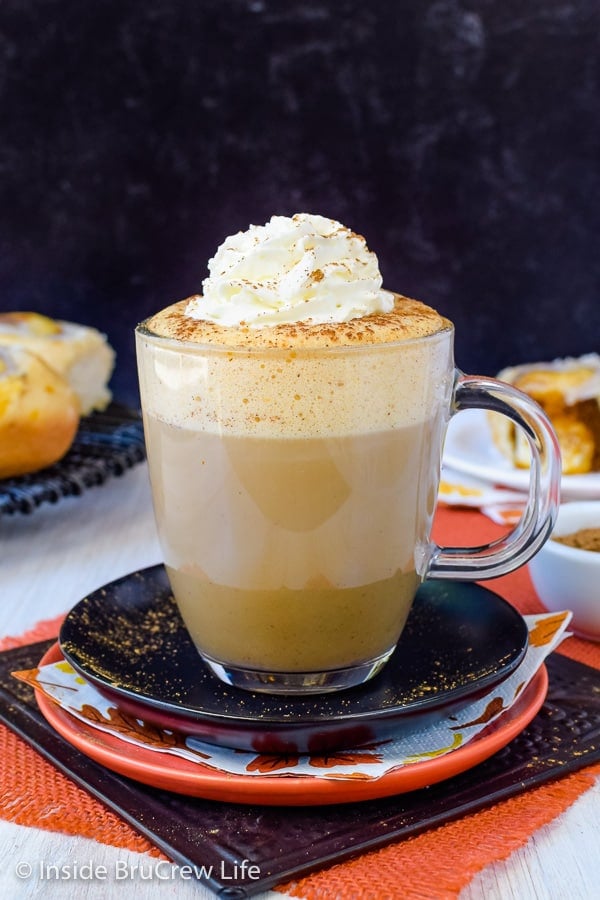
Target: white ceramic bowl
[{"x": 567, "y": 577}]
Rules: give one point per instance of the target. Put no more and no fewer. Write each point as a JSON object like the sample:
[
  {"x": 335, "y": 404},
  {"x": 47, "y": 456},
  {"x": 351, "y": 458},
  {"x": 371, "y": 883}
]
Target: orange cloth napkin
[{"x": 436, "y": 865}]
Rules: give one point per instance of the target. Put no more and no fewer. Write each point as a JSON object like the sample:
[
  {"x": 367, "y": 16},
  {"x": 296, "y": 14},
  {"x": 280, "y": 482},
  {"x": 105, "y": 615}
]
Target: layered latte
[{"x": 293, "y": 414}]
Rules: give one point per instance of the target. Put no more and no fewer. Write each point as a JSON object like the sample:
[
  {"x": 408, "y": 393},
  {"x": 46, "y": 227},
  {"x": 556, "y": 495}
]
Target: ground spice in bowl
[{"x": 583, "y": 539}]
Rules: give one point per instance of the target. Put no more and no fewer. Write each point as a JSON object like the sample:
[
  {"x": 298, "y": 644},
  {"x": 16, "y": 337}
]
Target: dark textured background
[{"x": 462, "y": 138}]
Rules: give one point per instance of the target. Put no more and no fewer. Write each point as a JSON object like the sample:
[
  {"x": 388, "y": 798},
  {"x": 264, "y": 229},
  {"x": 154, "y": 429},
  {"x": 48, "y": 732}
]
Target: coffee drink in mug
[{"x": 295, "y": 415}]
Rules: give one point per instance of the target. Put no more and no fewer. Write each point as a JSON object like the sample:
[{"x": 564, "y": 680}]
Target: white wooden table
[{"x": 48, "y": 561}]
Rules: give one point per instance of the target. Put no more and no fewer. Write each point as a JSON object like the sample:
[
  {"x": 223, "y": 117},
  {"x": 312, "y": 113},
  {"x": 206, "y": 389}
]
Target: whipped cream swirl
[{"x": 303, "y": 268}]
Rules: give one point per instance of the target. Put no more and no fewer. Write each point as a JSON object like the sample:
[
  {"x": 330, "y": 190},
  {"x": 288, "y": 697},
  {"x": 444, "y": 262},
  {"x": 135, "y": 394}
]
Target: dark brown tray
[{"x": 285, "y": 842}]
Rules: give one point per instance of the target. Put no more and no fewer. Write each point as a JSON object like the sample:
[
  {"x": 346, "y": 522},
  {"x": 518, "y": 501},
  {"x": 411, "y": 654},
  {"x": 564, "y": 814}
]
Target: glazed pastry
[
  {"x": 39, "y": 413},
  {"x": 569, "y": 392},
  {"x": 77, "y": 352}
]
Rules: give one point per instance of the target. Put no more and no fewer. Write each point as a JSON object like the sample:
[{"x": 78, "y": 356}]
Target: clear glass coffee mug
[{"x": 294, "y": 492}]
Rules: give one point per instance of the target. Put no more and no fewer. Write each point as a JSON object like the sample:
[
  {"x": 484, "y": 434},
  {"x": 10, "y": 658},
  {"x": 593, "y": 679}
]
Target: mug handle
[{"x": 532, "y": 530}]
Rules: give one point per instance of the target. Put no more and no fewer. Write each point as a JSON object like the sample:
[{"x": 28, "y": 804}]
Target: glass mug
[{"x": 294, "y": 492}]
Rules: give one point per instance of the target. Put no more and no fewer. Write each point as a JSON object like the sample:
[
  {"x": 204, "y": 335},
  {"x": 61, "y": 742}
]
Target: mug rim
[{"x": 143, "y": 331}]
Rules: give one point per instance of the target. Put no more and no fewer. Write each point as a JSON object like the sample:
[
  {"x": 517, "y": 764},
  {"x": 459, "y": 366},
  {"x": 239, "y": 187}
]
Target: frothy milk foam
[{"x": 294, "y": 460}]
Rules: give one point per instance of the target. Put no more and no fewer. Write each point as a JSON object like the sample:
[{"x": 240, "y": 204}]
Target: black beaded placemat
[
  {"x": 284, "y": 842},
  {"x": 107, "y": 443}
]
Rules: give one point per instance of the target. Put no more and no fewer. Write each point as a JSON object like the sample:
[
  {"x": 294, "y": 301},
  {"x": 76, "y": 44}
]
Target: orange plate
[{"x": 193, "y": 779}]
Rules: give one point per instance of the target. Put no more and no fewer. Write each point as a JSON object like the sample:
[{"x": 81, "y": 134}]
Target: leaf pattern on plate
[
  {"x": 363, "y": 756},
  {"x": 545, "y": 629},
  {"x": 272, "y": 762},
  {"x": 492, "y": 709},
  {"x": 432, "y": 754},
  {"x": 30, "y": 676},
  {"x": 123, "y": 723}
]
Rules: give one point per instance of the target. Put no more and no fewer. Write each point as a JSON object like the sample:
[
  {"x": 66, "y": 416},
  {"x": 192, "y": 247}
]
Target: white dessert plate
[{"x": 469, "y": 450}]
